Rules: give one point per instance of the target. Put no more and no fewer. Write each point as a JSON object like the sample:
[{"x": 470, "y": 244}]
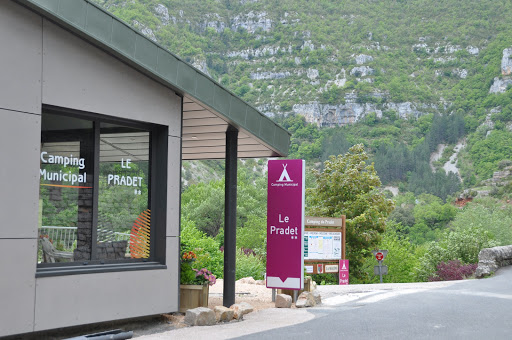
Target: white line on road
[{"x": 367, "y": 297}]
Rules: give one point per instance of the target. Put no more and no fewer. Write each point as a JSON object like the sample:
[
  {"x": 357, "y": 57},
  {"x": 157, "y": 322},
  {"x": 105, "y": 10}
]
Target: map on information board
[{"x": 322, "y": 245}]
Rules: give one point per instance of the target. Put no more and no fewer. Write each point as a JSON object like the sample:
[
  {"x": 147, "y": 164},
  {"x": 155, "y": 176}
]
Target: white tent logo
[
  {"x": 284, "y": 175},
  {"x": 343, "y": 268}
]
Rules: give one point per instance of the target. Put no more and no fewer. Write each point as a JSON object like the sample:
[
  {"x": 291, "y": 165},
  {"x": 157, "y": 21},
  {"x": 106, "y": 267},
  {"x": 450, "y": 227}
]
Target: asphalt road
[{"x": 473, "y": 309}]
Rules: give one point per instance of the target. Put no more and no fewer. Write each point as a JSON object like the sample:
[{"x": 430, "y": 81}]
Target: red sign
[
  {"x": 379, "y": 256},
  {"x": 285, "y": 224},
  {"x": 320, "y": 268},
  {"x": 343, "y": 272}
]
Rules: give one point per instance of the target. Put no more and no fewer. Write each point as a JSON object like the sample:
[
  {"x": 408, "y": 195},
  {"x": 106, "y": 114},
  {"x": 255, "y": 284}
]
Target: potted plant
[{"x": 194, "y": 283}]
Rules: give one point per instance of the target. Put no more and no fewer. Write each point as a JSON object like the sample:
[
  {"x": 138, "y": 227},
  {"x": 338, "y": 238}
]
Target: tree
[
  {"x": 347, "y": 186},
  {"x": 203, "y": 203},
  {"x": 402, "y": 259}
]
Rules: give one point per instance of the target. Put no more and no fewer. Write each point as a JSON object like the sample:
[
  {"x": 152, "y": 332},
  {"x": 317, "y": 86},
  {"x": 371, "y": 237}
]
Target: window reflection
[
  {"x": 123, "y": 209},
  {"x": 74, "y": 224}
]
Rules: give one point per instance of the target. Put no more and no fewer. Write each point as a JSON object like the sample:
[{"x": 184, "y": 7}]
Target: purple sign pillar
[
  {"x": 343, "y": 272},
  {"x": 285, "y": 224}
]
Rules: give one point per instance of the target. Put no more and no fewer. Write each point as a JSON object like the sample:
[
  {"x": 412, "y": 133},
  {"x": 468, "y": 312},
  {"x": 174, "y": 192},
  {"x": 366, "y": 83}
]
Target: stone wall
[
  {"x": 491, "y": 259},
  {"x": 114, "y": 250}
]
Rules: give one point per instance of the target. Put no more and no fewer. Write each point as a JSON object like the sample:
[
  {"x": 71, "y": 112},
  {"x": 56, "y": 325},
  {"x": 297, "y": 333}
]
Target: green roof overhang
[{"x": 208, "y": 107}]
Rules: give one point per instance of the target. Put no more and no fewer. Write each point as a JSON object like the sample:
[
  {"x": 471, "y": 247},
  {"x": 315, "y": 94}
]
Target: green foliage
[
  {"x": 402, "y": 258},
  {"x": 118, "y": 207},
  {"x": 306, "y": 140},
  {"x": 187, "y": 273},
  {"x": 203, "y": 203},
  {"x": 422, "y": 218},
  {"x": 249, "y": 265},
  {"x": 253, "y": 235},
  {"x": 206, "y": 248},
  {"x": 333, "y": 95},
  {"x": 461, "y": 244},
  {"x": 398, "y": 162},
  {"x": 325, "y": 279},
  {"x": 347, "y": 186},
  {"x": 491, "y": 215},
  {"x": 63, "y": 212},
  {"x": 487, "y": 151},
  {"x": 334, "y": 143}
]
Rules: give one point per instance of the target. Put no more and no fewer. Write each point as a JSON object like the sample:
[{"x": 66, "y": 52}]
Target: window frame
[{"x": 157, "y": 199}]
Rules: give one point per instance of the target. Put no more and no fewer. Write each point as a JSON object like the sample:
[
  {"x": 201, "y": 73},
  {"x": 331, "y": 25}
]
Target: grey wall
[
  {"x": 80, "y": 299},
  {"x": 20, "y": 130},
  {"x": 45, "y": 64},
  {"x": 78, "y": 76}
]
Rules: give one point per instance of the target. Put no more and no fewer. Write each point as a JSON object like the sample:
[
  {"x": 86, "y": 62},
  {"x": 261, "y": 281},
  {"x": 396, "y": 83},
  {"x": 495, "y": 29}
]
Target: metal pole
[
  {"x": 380, "y": 271},
  {"x": 273, "y": 295},
  {"x": 295, "y": 293},
  {"x": 230, "y": 217}
]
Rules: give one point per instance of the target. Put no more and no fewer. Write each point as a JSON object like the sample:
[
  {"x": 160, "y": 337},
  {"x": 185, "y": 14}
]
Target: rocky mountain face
[
  {"x": 327, "y": 115},
  {"x": 500, "y": 84},
  {"x": 334, "y": 62}
]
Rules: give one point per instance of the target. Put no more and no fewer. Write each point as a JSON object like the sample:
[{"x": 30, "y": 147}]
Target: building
[{"x": 95, "y": 120}]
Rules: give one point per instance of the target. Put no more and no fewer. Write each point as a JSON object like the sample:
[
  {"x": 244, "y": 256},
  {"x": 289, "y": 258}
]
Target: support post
[
  {"x": 380, "y": 271},
  {"x": 230, "y": 217}
]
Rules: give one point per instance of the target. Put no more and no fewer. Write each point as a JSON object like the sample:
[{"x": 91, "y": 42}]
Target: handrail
[{"x": 67, "y": 235}]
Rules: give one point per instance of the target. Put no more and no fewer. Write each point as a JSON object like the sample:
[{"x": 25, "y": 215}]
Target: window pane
[
  {"x": 65, "y": 196},
  {"x": 123, "y": 204}
]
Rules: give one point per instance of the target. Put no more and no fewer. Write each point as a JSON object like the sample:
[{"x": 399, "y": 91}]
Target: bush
[
  {"x": 249, "y": 265},
  {"x": 206, "y": 248},
  {"x": 402, "y": 258},
  {"x": 453, "y": 270},
  {"x": 504, "y": 163},
  {"x": 487, "y": 214},
  {"x": 325, "y": 279},
  {"x": 461, "y": 244},
  {"x": 253, "y": 235}
]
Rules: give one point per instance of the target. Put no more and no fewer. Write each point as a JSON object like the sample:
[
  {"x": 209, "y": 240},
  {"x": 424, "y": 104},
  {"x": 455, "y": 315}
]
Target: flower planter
[{"x": 192, "y": 296}]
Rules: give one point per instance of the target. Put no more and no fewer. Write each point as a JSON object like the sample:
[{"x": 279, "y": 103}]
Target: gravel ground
[{"x": 257, "y": 295}]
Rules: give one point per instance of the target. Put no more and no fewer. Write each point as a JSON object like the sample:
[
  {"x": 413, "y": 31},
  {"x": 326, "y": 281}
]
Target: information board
[{"x": 322, "y": 245}]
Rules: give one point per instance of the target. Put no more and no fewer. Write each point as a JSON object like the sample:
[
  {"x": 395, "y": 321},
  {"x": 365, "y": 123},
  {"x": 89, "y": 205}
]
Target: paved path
[{"x": 262, "y": 320}]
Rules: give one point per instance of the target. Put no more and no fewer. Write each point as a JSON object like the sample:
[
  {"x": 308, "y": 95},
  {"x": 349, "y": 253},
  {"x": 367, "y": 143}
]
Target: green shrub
[
  {"x": 325, "y": 279},
  {"x": 206, "y": 248},
  {"x": 253, "y": 235},
  {"x": 249, "y": 265},
  {"x": 488, "y": 214},
  {"x": 402, "y": 258},
  {"x": 461, "y": 244}
]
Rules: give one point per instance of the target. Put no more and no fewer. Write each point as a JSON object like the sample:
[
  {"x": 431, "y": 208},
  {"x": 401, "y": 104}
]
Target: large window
[{"x": 97, "y": 186}]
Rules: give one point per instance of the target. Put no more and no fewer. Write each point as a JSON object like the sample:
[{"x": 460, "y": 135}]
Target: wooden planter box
[{"x": 192, "y": 296}]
